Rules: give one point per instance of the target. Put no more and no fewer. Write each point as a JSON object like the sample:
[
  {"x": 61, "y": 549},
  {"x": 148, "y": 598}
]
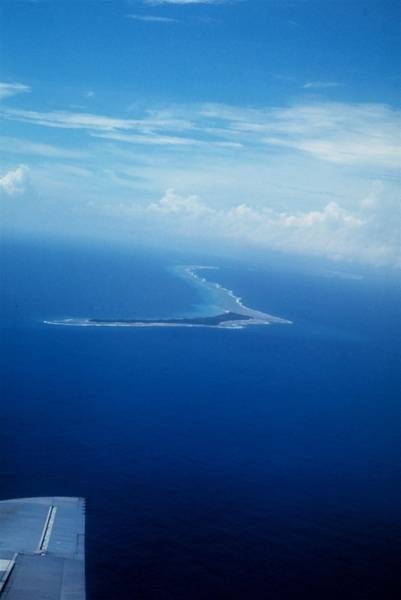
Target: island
[
  {"x": 227, "y": 319},
  {"x": 228, "y": 310}
]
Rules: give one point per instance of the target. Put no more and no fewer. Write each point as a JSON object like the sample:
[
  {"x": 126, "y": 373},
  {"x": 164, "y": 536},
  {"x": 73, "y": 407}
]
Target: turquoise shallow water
[
  {"x": 216, "y": 464},
  {"x": 219, "y": 307}
]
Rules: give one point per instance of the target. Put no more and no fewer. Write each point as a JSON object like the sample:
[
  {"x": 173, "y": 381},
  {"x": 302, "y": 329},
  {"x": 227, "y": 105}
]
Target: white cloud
[
  {"x": 95, "y": 122},
  {"x": 333, "y": 231},
  {"x": 69, "y": 120},
  {"x": 174, "y": 204},
  {"x": 349, "y": 134},
  {"x": 151, "y": 18},
  {"x": 12, "y": 89},
  {"x": 184, "y": 2},
  {"x": 311, "y": 85},
  {"x": 164, "y": 140},
  {"x": 17, "y": 146},
  {"x": 295, "y": 179},
  {"x": 155, "y": 140},
  {"x": 346, "y": 149},
  {"x": 13, "y": 182},
  {"x": 364, "y": 135}
]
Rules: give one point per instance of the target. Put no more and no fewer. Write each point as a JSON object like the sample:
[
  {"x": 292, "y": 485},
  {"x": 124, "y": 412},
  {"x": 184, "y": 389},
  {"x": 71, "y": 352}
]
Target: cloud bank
[{"x": 334, "y": 232}]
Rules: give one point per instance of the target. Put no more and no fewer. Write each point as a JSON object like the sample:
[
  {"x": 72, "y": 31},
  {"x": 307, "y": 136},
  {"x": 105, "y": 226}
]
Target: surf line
[{"x": 231, "y": 312}]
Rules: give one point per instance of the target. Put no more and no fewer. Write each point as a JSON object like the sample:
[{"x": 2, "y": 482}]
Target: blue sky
[{"x": 268, "y": 124}]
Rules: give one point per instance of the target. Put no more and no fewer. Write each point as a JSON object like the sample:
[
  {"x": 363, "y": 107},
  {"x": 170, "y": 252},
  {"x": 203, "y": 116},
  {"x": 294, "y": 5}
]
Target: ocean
[{"x": 261, "y": 463}]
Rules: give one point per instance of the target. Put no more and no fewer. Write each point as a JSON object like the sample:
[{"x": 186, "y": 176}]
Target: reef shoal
[{"x": 230, "y": 311}]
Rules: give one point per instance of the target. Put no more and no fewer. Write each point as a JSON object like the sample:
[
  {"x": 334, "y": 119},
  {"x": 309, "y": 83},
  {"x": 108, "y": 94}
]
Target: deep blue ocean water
[{"x": 216, "y": 464}]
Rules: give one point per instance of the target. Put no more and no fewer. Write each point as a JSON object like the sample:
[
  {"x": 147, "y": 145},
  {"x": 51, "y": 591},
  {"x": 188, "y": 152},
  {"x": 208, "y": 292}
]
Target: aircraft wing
[{"x": 42, "y": 549}]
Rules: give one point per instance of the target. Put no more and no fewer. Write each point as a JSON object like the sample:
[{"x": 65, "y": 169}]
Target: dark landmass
[{"x": 206, "y": 321}]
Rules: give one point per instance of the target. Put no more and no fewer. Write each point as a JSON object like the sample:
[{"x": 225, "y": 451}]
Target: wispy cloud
[
  {"x": 12, "y": 89},
  {"x": 165, "y": 140},
  {"x": 12, "y": 145},
  {"x": 184, "y": 2},
  {"x": 353, "y": 134},
  {"x": 151, "y": 18},
  {"x": 348, "y": 134},
  {"x": 156, "y": 140},
  {"x": 149, "y": 123},
  {"x": 13, "y": 182},
  {"x": 69, "y": 119},
  {"x": 313, "y": 85}
]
